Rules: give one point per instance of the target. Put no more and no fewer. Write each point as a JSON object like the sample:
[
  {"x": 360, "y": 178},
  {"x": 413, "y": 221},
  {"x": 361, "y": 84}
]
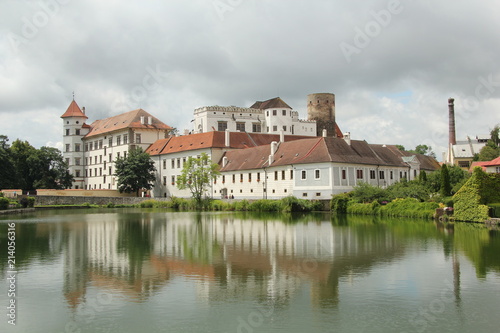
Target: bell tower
[{"x": 74, "y": 129}]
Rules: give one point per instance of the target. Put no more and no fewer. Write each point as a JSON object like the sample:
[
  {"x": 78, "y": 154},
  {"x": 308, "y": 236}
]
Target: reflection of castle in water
[{"x": 226, "y": 258}]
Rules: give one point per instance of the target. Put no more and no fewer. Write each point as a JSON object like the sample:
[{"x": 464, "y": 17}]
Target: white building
[
  {"x": 462, "y": 152},
  {"x": 90, "y": 150},
  {"x": 272, "y": 116}
]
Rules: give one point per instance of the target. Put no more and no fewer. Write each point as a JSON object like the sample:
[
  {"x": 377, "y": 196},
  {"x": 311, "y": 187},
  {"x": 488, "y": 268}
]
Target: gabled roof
[
  {"x": 316, "y": 150},
  {"x": 215, "y": 139},
  {"x": 131, "y": 119},
  {"x": 485, "y": 164},
  {"x": 73, "y": 111},
  {"x": 270, "y": 104}
]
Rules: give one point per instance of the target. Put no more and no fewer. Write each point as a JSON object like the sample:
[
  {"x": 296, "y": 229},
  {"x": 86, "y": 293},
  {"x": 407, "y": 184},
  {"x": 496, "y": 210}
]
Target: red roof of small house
[
  {"x": 131, "y": 119},
  {"x": 484, "y": 164},
  {"x": 73, "y": 111}
]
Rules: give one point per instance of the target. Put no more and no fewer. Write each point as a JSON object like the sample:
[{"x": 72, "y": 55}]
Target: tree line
[{"x": 24, "y": 167}]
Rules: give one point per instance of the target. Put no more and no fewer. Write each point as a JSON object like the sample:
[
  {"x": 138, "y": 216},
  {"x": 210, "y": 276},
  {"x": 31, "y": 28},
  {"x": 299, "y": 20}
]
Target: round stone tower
[{"x": 321, "y": 107}]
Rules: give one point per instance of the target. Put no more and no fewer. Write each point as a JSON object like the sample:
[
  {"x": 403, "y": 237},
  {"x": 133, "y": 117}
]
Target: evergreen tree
[
  {"x": 422, "y": 177},
  {"x": 135, "y": 172},
  {"x": 445, "y": 181}
]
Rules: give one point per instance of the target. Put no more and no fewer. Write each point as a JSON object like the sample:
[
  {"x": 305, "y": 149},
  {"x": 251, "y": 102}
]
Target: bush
[
  {"x": 470, "y": 201},
  {"x": 339, "y": 202},
  {"x": 23, "y": 202},
  {"x": 495, "y": 210},
  {"x": 4, "y": 203}
]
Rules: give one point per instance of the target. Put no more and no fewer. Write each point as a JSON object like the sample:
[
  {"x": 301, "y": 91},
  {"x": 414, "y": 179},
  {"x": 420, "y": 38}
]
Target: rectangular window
[
  {"x": 86, "y": 146},
  {"x": 95, "y": 144},
  {"x": 318, "y": 194},
  {"x": 304, "y": 194},
  {"x": 234, "y": 178},
  {"x": 100, "y": 171},
  {"x": 372, "y": 174},
  {"x": 77, "y": 131},
  {"x": 275, "y": 128},
  {"x": 241, "y": 178},
  {"x": 183, "y": 161},
  {"x": 124, "y": 154},
  {"x": 77, "y": 161},
  {"x": 125, "y": 139},
  {"x": 249, "y": 177},
  {"x": 100, "y": 158},
  {"x": 283, "y": 175},
  {"x": 223, "y": 179},
  {"x": 77, "y": 173},
  {"x": 240, "y": 127},
  {"x": 67, "y": 132},
  {"x": 291, "y": 174},
  {"x": 283, "y": 112},
  {"x": 275, "y": 175},
  {"x": 304, "y": 174},
  {"x": 344, "y": 174},
  {"x": 109, "y": 171},
  {"x": 138, "y": 138},
  {"x": 284, "y": 128},
  {"x": 498, "y": 169},
  {"x": 118, "y": 140},
  {"x": 110, "y": 158},
  {"x": 95, "y": 159},
  {"x": 359, "y": 174},
  {"x": 117, "y": 155},
  {"x": 173, "y": 180},
  {"x": 90, "y": 172},
  {"x": 68, "y": 147},
  {"x": 275, "y": 112},
  {"x": 100, "y": 144},
  {"x": 256, "y": 128},
  {"x": 381, "y": 174},
  {"x": 164, "y": 180},
  {"x": 110, "y": 141},
  {"x": 164, "y": 164},
  {"x": 221, "y": 126},
  {"x": 77, "y": 147},
  {"x": 392, "y": 174},
  {"x": 67, "y": 161},
  {"x": 258, "y": 176},
  {"x": 317, "y": 174},
  {"x": 178, "y": 163}
]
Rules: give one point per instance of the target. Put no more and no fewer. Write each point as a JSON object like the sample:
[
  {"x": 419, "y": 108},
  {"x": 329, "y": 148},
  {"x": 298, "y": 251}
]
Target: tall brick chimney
[{"x": 451, "y": 108}]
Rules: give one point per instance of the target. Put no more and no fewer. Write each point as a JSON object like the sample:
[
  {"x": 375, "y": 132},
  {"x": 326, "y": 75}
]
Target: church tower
[{"x": 74, "y": 129}]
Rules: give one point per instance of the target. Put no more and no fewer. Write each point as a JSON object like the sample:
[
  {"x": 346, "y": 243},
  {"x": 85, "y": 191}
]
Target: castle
[{"x": 264, "y": 151}]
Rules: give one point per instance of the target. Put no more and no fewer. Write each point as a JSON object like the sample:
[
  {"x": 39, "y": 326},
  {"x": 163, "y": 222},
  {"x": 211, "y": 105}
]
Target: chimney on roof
[
  {"x": 227, "y": 136},
  {"x": 347, "y": 138},
  {"x": 282, "y": 136},
  {"x": 224, "y": 161},
  {"x": 274, "y": 148},
  {"x": 325, "y": 132},
  {"x": 150, "y": 120},
  {"x": 83, "y": 110},
  {"x": 142, "y": 120},
  {"x": 451, "y": 113}
]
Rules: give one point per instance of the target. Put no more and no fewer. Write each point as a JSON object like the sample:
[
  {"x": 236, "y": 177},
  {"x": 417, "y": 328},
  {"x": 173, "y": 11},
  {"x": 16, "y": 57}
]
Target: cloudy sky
[{"x": 392, "y": 65}]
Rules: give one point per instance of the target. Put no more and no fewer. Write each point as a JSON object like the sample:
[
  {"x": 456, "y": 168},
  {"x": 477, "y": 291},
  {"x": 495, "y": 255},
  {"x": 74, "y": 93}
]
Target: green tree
[
  {"x": 364, "y": 192},
  {"x": 197, "y": 175},
  {"x": 495, "y": 132},
  {"x": 49, "y": 170},
  {"x": 445, "y": 181},
  {"x": 409, "y": 189},
  {"x": 424, "y": 150},
  {"x": 489, "y": 152},
  {"x": 401, "y": 147},
  {"x": 422, "y": 177},
  {"x": 135, "y": 172},
  {"x": 8, "y": 174},
  {"x": 21, "y": 151}
]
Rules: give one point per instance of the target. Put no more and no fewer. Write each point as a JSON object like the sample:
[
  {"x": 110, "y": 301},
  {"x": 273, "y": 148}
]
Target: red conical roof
[{"x": 74, "y": 111}]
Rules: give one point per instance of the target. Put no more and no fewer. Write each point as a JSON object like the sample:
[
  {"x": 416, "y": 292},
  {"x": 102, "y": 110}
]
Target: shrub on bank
[
  {"x": 408, "y": 207},
  {"x": 4, "y": 203}
]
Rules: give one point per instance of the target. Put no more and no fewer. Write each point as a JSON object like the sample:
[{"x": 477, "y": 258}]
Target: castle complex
[{"x": 264, "y": 151}]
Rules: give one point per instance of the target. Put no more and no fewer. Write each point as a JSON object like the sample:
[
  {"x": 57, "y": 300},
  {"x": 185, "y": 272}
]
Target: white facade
[{"x": 272, "y": 120}]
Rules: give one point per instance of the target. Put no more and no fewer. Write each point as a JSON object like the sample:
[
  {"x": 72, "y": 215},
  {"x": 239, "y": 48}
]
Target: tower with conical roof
[{"x": 74, "y": 129}]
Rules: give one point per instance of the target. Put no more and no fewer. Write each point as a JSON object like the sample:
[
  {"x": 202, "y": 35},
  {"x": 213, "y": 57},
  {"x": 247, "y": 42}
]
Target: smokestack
[{"x": 451, "y": 108}]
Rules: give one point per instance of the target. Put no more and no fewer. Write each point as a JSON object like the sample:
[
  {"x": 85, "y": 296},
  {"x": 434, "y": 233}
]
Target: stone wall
[{"x": 41, "y": 200}]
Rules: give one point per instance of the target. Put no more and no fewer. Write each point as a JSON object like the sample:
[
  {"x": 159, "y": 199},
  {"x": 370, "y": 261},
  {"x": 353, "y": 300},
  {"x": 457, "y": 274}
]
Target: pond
[{"x": 133, "y": 270}]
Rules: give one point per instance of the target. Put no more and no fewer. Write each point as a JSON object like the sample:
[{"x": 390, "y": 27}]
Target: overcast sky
[{"x": 392, "y": 65}]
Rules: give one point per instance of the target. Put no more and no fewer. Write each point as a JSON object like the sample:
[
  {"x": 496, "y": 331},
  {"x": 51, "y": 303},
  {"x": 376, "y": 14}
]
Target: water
[{"x": 156, "y": 271}]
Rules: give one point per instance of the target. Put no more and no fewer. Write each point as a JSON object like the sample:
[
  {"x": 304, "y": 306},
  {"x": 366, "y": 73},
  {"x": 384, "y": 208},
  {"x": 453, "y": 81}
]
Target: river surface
[{"x": 133, "y": 270}]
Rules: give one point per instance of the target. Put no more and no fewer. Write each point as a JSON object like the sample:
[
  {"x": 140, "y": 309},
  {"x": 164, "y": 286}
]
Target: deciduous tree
[
  {"x": 197, "y": 175},
  {"x": 135, "y": 172}
]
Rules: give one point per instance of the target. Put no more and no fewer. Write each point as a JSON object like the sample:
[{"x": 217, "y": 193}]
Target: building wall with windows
[{"x": 90, "y": 150}]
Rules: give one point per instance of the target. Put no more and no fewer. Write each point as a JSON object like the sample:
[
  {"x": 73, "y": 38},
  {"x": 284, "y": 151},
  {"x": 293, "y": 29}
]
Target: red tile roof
[
  {"x": 484, "y": 164},
  {"x": 315, "y": 150},
  {"x": 131, "y": 119},
  {"x": 215, "y": 139},
  {"x": 270, "y": 104},
  {"x": 73, "y": 111}
]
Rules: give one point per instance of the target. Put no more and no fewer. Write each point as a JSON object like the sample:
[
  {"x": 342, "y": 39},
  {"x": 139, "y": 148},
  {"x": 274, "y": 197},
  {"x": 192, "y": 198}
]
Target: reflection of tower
[
  {"x": 76, "y": 265},
  {"x": 321, "y": 107}
]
